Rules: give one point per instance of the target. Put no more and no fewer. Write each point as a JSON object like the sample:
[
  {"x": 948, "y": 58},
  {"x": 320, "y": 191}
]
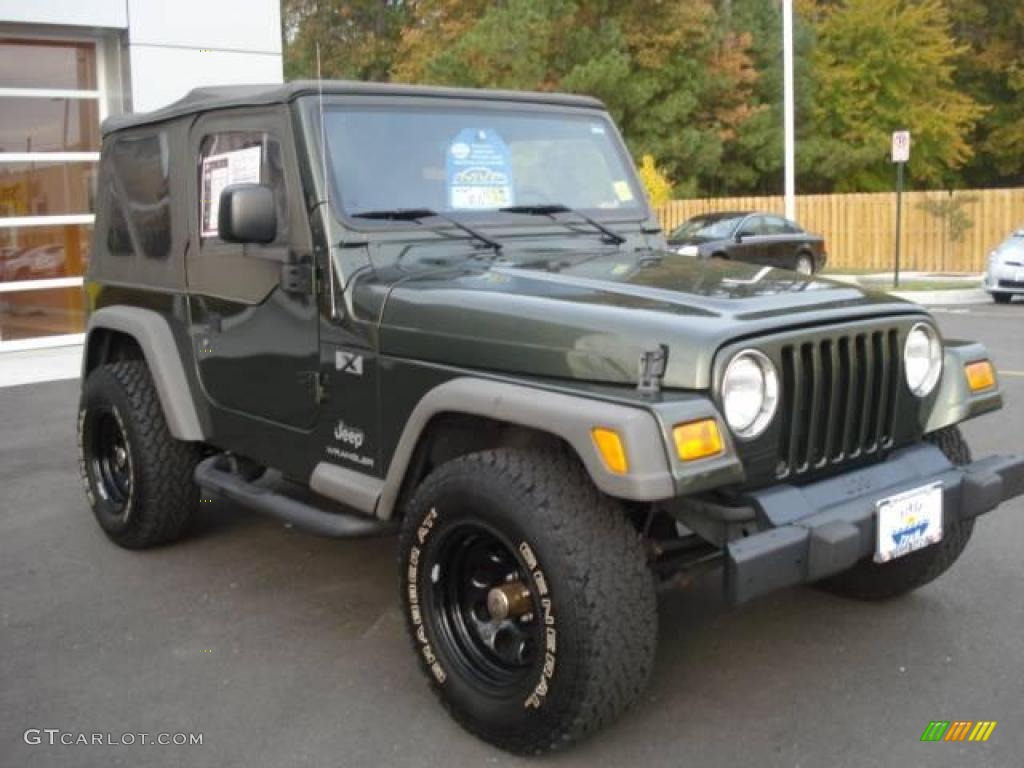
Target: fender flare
[
  {"x": 566, "y": 416},
  {"x": 153, "y": 334},
  {"x": 954, "y": 401}
]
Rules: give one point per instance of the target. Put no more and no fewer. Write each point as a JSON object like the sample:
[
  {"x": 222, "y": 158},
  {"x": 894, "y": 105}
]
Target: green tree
[
  {"x": 991, "y": 67},
  {"x": 883, "y": 65},
  {"x": 357, "y": 38}
]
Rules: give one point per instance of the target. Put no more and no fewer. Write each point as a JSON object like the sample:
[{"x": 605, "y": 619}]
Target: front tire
[
  {"x": 137, "y": 476},
  {"x": 804, "y": 264},
  {"x": 528, "y": 598},
  {"x": 869, "y": 580}
]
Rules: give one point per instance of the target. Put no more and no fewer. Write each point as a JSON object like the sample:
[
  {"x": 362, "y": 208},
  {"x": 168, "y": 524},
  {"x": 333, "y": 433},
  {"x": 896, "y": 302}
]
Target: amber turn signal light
[
  {"x": 612, "y": 451},
  {"x": 980, "y": 375},
  {"x": 697, "y": 439}
]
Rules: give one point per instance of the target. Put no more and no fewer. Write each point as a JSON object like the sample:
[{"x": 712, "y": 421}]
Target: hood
[
  {"x": 1011, "y": 249},
  {"x": 591, "y": 317}
]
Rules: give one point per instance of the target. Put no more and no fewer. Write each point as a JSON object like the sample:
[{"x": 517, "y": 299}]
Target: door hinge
[
  {"x": 296, "y": 278},
  {"x": 320, "y": 386},
  {"x": 318, "y": 380}
]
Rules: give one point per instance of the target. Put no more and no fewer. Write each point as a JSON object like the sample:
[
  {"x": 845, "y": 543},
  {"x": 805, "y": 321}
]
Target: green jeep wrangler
[{"x": 450, "y": 313}]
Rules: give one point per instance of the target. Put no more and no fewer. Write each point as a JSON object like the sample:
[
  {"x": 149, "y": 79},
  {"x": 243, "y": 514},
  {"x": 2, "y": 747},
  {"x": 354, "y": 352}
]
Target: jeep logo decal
[{"x": 350, "y": 435}]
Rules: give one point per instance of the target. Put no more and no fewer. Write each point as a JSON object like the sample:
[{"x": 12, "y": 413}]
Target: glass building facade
[{"x": 66, "y": 65}]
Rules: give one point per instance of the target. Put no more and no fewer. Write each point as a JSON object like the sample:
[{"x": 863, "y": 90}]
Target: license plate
[{"x": 908, "y": 522}]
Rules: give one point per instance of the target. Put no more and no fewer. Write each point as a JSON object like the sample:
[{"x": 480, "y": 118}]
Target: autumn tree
[
  {"x": 676, "y": 82},
  {"x": 752, "y": 160},
  {"x": 883, "y": 65},
  {"x": 697, "y": 84}
]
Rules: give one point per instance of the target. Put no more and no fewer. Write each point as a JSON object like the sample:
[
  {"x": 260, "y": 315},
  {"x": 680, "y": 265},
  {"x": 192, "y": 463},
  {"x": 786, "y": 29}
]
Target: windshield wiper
[
  {"x": 415, "y": 214},
  {"x": 551, "y": 209}
]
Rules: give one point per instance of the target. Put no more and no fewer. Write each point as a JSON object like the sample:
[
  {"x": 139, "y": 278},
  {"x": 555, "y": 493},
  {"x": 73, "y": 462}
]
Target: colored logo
[
  {"x": 912, "y": 531},
  {"x": 958, "y": 730}
]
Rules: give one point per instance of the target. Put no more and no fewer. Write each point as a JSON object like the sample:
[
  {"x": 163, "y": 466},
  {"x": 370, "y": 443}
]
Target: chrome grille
[{"x": 838, "y": 399}]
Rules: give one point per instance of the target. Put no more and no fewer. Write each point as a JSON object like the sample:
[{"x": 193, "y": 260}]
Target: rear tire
[
  {"x": 1002, "y": 298},
  {"x": 579, "y": 646},
  {"x": 869, "y": 580},
  {"x": 137, "y": 476}
]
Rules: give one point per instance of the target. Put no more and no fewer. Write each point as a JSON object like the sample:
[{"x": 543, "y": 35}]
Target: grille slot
[{"x": 838, "y": 399}]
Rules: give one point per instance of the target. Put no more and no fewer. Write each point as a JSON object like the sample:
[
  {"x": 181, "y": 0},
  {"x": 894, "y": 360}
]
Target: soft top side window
[
  {"x": 140, "y": 202},
  {"x": 235, "y": 157}
]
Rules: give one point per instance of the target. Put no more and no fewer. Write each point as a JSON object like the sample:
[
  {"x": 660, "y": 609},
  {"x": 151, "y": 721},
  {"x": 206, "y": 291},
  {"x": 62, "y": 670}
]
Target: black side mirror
[
  {"x": 739, "y": 237},
  {"x": 247, "y": 214}
]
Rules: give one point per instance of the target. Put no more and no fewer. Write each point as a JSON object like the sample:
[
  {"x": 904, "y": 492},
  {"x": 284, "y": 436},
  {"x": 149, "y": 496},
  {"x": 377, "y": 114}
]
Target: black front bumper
[{"x": 822, "y": 528}]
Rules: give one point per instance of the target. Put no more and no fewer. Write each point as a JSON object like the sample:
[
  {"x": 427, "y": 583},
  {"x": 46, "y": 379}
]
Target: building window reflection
[{"x": 51, "y": 106}]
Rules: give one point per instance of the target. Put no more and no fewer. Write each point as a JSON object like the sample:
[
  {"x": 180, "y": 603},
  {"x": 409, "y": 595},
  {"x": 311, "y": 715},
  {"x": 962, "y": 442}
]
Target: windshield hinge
[{"x": 653, "y": 363}]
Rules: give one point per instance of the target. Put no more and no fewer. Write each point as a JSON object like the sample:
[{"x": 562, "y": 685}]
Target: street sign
[
  {"x": 900, "y": 146},
  {"x": 900, "y": 156}
]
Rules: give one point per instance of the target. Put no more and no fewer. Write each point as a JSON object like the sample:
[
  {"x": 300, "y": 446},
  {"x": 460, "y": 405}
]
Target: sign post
[{"x": 900, "y": 156}]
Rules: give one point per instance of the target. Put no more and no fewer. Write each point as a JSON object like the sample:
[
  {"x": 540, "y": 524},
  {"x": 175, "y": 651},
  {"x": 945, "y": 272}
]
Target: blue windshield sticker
[{"x": 479, "y": 171}]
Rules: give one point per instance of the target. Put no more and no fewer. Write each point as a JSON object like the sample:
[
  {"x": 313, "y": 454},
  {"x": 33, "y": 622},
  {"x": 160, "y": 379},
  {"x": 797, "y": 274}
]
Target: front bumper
[
  {"x": 1004, "y": 278},
  {"x": 820, "y": 529}
]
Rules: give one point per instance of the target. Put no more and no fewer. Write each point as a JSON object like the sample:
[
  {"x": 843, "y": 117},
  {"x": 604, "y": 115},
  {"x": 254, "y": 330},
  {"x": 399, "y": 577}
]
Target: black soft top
[{"x": 219, "y": 97}]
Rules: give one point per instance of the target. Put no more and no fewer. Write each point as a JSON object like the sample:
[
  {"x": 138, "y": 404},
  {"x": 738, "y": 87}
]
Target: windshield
[
  {"x": 706, "y": 227},
  {"x": 476, "y": 160}
]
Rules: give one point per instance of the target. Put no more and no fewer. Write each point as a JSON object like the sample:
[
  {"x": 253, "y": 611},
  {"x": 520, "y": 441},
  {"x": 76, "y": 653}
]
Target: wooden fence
[{"x": 860, "y": 229}]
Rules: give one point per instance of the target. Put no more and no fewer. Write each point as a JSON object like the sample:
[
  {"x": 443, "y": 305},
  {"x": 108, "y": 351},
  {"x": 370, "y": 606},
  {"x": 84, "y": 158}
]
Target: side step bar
[{"x": 215, "y": 476}]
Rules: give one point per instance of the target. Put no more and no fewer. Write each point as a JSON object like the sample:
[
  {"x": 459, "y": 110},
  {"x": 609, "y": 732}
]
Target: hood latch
[{"x": 653, "y": 363}]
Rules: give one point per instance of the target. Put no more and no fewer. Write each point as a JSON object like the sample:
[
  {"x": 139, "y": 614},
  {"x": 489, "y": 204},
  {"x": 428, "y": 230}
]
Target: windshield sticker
[
  {"x": 597, "y": 128},
  {"x": 241, "y": 166},
  {"x": 622, "y": 191},
  {"x": 479, "y": 171}
]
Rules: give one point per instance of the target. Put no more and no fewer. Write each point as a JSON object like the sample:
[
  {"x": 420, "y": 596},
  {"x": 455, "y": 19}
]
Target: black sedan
[{"x": 760, "y": 238}]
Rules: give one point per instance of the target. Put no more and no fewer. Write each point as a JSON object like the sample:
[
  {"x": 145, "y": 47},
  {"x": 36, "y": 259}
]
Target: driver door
[{"x": 255, "y": 335}]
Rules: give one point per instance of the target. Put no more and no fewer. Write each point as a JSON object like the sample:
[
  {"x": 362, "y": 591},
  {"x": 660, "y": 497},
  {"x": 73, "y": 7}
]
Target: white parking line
[{"x": 971, "y": 312}]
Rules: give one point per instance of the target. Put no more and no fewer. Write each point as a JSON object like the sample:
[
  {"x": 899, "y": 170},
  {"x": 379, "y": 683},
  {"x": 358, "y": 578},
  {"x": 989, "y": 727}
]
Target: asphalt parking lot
[{"x": 285, "y": 649}]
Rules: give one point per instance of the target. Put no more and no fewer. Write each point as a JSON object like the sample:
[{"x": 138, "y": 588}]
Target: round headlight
[
  {"x": 922, "y": 359},
  {"x": 750, "y": 393}
]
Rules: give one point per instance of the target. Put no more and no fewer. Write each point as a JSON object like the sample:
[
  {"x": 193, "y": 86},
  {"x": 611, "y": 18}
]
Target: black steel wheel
[
  {"x": 528, "y": 598},
  {"x": 110, "y": 459},
  {"x": 487, "y": 606},
  {"x": 137, "y": 477}
]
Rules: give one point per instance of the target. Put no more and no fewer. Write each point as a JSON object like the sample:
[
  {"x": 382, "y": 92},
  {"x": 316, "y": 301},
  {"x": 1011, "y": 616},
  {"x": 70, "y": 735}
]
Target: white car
[{"x": 1004, "y": 275}]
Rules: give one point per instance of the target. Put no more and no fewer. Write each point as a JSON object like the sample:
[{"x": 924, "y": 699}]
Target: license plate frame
[{"x": 909, "y": 521}]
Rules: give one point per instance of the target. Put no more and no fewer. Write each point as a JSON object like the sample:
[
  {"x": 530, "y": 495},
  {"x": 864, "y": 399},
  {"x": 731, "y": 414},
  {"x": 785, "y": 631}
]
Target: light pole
[{"x": 787, "y": 107}]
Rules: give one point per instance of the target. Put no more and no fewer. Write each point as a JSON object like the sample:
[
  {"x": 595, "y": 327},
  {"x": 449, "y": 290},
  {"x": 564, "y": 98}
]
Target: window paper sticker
[
  {"x": 622, "y": 191},
  {"x": 241, "y": 166},
  {"x": 479, "y": 171}
]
